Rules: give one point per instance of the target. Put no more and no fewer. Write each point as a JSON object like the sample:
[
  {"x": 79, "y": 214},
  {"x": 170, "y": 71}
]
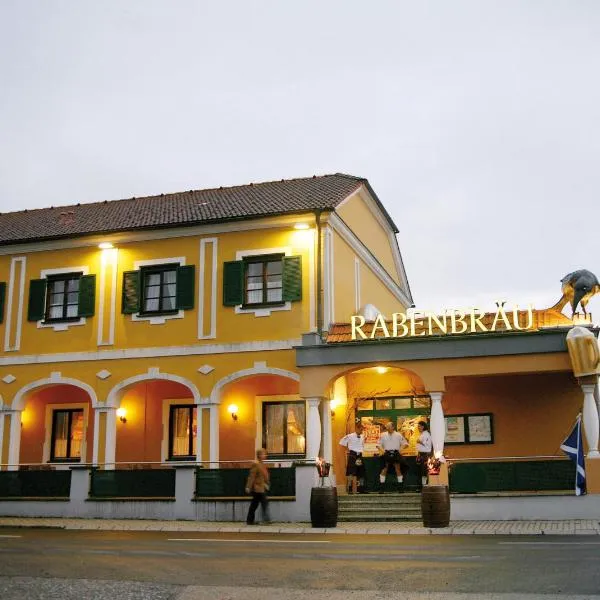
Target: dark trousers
[{"x": 258, "y": 498}]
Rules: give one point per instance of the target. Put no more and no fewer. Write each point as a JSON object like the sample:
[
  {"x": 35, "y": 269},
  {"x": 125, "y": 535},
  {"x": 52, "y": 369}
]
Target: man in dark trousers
[
  {"x": 258, "y": 486},
  {"x": 355, "y": 466},
  {"x": 391, "y": 443}
]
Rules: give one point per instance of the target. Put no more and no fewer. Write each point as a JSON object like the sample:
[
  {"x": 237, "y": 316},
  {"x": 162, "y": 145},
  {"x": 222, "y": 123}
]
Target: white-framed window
[
  {"x": 180, "y": 430},
  {"x": 158, "y": 290},
  {"x": 281, "y": 426},
  {"x": 62, "y": 297},
  {"x": 65, "y": 433}
]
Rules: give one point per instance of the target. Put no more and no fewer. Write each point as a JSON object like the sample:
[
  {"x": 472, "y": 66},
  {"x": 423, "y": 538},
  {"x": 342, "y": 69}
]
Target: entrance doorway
[{"x": 405, "y": 412}]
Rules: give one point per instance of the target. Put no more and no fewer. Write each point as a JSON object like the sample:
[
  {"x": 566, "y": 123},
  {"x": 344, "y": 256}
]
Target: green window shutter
[
  {"x": 36, "y": 310},
  {"x": 2, "y": 300},
  {"x": 87, "y": 295},
  {"x": 131, "y": 292},
  {"x": 292, "y": 278},
  {"x": 233, "y": 283},
  {"x": 186, "y": 279}
]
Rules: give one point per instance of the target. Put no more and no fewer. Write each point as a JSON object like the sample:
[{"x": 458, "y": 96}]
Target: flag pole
[
  {"x": 577, "y": 461},
  {"x": 570, "y": 429}
]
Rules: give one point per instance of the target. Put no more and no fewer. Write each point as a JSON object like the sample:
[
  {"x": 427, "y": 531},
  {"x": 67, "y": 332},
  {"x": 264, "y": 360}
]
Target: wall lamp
[
  {"x": 233, "y": 411},
  {"x": 105, "y": 246},
  {"x": 333, "y": 404},
  {"x": 121, "y": 413}
]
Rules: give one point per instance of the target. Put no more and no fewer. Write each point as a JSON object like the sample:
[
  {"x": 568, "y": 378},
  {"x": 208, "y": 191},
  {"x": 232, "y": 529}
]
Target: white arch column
[
  {"x": 437, "y": 425},
  {"x": 326, "y": 440},
  {"x": 313, "y": 428},
  {"x": 110, "y": 436},
  {"x": 213, "y": 438},
  {"x": 14, "y": 438},
  {"x": 591, "y": 421}
]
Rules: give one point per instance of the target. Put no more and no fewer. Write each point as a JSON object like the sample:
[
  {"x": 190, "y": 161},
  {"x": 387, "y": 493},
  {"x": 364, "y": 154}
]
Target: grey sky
[{"x": 477, "y": 123}]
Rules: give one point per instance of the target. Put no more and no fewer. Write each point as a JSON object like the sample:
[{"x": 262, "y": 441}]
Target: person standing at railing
[
  {"x": 424, "y": 449},
  {"x": 258, "y": 486}
]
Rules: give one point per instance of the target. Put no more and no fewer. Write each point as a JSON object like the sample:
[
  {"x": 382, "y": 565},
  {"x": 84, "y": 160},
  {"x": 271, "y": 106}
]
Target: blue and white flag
[{"x": 573, "y": 448}]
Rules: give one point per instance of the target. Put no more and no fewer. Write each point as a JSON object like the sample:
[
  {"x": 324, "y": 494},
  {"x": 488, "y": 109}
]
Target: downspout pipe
[{"x": 319, "y": 273}]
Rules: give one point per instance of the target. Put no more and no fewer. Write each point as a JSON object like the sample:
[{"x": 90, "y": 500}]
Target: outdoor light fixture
[
  {"x": 233, "y": 411},
  {"x": 333, "y": 404},
  {"x": 382, "y": 370},
  {"x": 301, "y": 226},
  {"x": 105, "y": 246},
  {"x": 121, "y": 412}
]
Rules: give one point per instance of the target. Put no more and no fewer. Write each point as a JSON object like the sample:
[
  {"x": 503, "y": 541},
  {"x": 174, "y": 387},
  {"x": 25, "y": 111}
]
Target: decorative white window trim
[
  {"x": 166, "y": 409},
  {"x": 158, "y": 319},
  {"x": 262, "y": 312},
  {"x": 258, "y": 404},
  {"x": 63, "y": 326},
  {"x": 46, "y": 450}
]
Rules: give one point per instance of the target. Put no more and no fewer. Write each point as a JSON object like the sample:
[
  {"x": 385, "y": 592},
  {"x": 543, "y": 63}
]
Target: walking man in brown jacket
[{"x": 258, "y": 486}]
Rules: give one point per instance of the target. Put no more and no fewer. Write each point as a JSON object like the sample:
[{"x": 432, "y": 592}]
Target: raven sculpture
[{"x": 577, "y": 288}]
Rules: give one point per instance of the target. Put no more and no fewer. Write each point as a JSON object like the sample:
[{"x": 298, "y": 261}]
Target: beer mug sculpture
[{"x": 584, "y": 352}]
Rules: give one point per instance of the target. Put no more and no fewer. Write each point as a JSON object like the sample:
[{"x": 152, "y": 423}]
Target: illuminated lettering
[
  {"x": 516, "y": 323},
  {"x": 399, "y": 320},
  {"x": 501, "y": 316},
  {"x": 458, "y": 317},
  {"x": 380, "y": 324},
  {"x": 357, "y": 322},
  {"x": 414, "y": 321},
  {"x": 417, "y": 323},
  {"x": 476, "y": 316},
  {"x": 442, "y": 325}
]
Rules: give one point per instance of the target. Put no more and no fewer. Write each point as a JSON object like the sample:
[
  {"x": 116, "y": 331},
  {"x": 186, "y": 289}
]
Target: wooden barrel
[
  {"x": 323, "y": 507},
  {"x": 435, "y": 505}
]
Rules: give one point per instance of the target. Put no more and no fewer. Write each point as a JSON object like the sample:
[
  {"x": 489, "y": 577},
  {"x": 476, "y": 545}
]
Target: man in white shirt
[
  {"x": 424, "y": 449},
  {"x": 355, "y": 468},
  {"x": 391, "y": 444}
]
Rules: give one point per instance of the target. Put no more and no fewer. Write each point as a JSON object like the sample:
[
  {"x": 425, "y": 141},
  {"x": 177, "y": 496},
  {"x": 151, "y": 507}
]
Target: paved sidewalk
[{"x": 566, "y": 527}]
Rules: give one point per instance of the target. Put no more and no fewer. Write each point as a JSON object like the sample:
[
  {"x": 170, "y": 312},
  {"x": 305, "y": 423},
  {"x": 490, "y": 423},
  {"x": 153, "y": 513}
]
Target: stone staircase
[{"x": 380, "y": 507}]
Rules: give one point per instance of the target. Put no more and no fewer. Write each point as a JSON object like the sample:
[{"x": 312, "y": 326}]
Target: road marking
[
  {"x": 251, "y": 541},
  {"x": 549, "y": 543},
  {"x": 10, "y": 536}
]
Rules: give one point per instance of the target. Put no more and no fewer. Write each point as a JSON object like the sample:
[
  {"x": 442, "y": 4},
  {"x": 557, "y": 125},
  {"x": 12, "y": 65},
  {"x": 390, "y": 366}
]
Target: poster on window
[
  {"x": 480, "y": 428},
  {"x": 408, "y": 427},
  {"x": 372, "y": 433},
  {"x": 455, "y": 430}
]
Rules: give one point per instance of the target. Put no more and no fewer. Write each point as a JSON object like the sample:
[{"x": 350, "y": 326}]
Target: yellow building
[
  {"x": 131, "y": 328},
  {"x": 145, "y": 336}
]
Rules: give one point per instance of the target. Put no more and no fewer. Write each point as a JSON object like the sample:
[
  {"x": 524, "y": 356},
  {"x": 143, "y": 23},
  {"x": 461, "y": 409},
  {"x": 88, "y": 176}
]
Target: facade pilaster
[
  {"x": 591, "y": 423},
  {"x": 436, "y": 424},
  {"x": 313, "y": 428}
]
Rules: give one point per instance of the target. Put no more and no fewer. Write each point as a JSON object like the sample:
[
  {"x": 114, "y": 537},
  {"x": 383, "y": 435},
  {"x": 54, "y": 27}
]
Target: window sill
[
  {"x": 157, "y": 318},
  {"x": 61, "y": 325},
  {"x": 262, "y": 310}
]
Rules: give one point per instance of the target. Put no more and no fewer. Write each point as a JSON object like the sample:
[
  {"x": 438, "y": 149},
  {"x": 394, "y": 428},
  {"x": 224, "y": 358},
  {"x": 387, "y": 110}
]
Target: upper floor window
[
  {"x": 262, "y": 280},
  {"x": 67, "y": 435},
  {"x": 158, "y": 289},
  {"x": 62, "y": 297}
]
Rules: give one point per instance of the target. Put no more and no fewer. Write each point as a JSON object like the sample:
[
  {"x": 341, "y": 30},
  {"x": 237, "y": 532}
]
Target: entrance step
[
  {"x": 369, "y": 518},
  {"x": 380, "y": 507}
]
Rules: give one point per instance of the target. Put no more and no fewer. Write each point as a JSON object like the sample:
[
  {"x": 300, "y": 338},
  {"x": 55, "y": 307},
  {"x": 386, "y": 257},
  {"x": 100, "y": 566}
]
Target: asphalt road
[{"x": 49, "y": 563}]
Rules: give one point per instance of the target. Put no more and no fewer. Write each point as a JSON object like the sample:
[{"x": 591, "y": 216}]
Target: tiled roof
[
  {"x": 542, "y": 319},
  {"x": 184, "y": 208}
]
